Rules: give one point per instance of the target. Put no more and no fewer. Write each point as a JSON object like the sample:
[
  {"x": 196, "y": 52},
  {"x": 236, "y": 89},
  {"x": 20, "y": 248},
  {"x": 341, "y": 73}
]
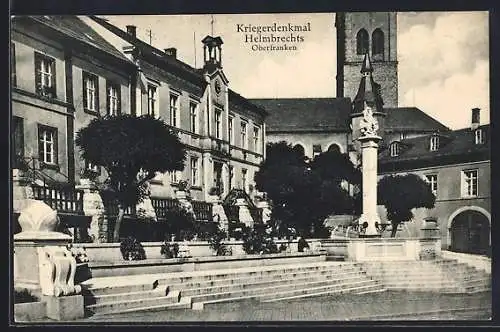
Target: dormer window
[
  {"x": 478, "y": 136},
  {"x": 394, "y": 149},
  {"x": 434, "y": 143}
]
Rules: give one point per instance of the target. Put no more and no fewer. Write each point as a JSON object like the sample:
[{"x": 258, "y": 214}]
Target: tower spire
[
  {"x": 367, "y": 65},
  {"x": 369, "y": 92}
]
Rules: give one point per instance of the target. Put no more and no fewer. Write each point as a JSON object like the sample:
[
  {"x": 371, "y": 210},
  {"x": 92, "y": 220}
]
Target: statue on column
[{"x": 369, "y": 124}]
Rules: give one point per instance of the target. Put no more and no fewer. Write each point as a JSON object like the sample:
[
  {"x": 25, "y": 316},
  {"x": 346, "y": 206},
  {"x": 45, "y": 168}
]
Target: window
[
  {"x": 334, "y": 148},
  {"x": 194, "y": 171},
  {"x": 47, "y": 144},
  {"x": 218, "y": 123},
  {"x": 256, "y": 140},
  {"x": 17, "y": 149},
  {"x": 90, "y": 92},
  {"x": 152, "y": 101},
  {"x": 193, "y": 115},
  {"x": 244, "y": 179},
  {"x": 394, "y": 149},
  {"x": 434, "y": 143},
  {"x": 113, "y": 98},
  {"x": 174, "y": 118},
  {"x": 479, "y": 138},
  {"x": 244, "y": 142},
  {"x": 378, "y": 42},
  {"x": 469, "y": 183},
  {"x": 13, "y": 78},
  {"x": 230, "y": 129},
  {"x": 45, "y": 75},
  {"x": 316, "y": 150},
  {"x": 175, "y": 176},
  {"x": 362, "y": 42},
  {"x": 432, "y": 180}
]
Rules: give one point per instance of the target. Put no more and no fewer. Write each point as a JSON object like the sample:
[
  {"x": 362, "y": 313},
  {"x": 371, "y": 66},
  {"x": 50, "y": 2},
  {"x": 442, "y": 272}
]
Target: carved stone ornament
[
  {"x": 57, "y": 268},
  {"x": 369, "y": 124}
]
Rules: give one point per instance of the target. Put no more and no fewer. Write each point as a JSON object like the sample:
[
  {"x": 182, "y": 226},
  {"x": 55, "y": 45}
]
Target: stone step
[
  {"x": 118, "y": 289},
  {"x": 285, "y": 283},
  {"x": 132, "y": 305},
  {"x": 235, "y": 273},
  {"x": 275, "y": 278},
  {"x": 301, "y": 288},
  {"x": 126, "y": 296},
  {"x": 184, "y": 303},
  {"x": 426, "y": 288},
  {"x": 354, "y": 288},
  {"x": 201, "y": 305}
]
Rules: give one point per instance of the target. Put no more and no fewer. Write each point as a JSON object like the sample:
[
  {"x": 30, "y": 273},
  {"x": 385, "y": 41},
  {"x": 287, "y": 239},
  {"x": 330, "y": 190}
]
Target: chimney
[
  {"x": 475, "y": 118},
  {"x": 131, "y": 30},
  {"x": 172, "y": 51}
]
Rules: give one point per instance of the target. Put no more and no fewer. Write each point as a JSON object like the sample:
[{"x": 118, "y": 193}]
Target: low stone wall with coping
[{"x": 110, "y": 252}]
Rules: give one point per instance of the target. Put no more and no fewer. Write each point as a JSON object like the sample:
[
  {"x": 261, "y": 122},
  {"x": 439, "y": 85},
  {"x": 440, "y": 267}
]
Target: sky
[{"x": 443, "y": 57}]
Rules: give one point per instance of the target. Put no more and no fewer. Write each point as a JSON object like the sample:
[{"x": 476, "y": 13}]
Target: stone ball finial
[{"x": 38, "y": 217}]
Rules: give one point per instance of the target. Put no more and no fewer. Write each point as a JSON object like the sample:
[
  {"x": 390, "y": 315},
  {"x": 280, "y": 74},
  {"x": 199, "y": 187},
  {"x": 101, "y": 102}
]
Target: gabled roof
[
  {"x": 235, "y": 98},
  {"x": 411, "y": 119},
  {"x": 172, "y": 63},
  {"x": 306, "y": 114},
  {"x": 454, "y": 146},
  {"x": 75, "y": 28}
]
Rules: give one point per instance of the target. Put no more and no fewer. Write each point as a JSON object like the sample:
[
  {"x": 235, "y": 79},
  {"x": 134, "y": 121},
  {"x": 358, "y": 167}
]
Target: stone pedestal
[
  {"x": 218, "y": 213},
  {"x": 94, "y": 207},
  {"x": 42, "y": 262},
  {"x": 266, "y": 211},
  {"x": 244, "y": 215},
  {"x": 370, "y": 217},
  {"x": 65, "y": 308}
]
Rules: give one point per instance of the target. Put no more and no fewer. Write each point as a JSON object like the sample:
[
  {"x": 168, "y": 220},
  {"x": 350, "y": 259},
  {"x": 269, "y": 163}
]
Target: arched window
[
  {"x": 334, "y": 148},
  {"x": 377, "y": 42},
  {"x": 362, "y": 42},
  {"x": 299, "y": 148}
]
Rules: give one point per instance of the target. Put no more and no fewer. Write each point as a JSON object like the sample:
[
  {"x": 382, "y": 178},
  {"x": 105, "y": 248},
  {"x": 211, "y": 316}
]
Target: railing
[
  {"x": 111, "y": 207},
  {"x": 202, "y": 210},
  {"x": 162, "y": 205},
  {"x": 64, "y": 200}
]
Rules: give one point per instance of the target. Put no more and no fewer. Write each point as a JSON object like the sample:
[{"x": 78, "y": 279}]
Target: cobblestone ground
[{"x": 348, "y": 307}]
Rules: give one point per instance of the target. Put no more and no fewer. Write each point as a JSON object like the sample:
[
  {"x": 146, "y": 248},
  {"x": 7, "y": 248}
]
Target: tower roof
[
  {"x": 367, "y": 65},
  {"x": 368, "y": 91}
]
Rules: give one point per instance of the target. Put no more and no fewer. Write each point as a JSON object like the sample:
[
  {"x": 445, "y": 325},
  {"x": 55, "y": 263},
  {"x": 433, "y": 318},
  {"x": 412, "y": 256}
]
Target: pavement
[{"x": 389, "y": 305}]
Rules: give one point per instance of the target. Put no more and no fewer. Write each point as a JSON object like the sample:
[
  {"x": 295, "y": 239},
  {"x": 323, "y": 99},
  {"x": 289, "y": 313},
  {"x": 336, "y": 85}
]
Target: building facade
[
  {"x": 64, "y": 73},
  {"x": 223, "y": 132},
  {"x": 457, "y": 167}
]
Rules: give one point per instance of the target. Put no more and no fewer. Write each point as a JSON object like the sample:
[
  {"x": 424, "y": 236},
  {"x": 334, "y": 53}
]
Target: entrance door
[{"x": 470, "y": 233}]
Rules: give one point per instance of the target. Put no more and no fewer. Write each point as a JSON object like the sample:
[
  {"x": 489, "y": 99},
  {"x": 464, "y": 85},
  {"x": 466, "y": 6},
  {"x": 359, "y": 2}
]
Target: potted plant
[
  {"x": 131, "y": 249},
  {"x": 169, "y": 250}
]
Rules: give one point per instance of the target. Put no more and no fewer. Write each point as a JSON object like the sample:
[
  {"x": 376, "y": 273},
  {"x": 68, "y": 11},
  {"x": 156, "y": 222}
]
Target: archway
[
  {"x": 300, "y": 148},
  {"x": 469, "y": 230},
  {"x": 334, "y": 147}
]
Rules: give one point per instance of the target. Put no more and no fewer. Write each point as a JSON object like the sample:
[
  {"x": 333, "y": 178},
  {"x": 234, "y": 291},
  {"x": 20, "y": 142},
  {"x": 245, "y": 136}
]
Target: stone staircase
[
  {"x": 108, "y": 295},
  {"x": 445, "y": 276}
]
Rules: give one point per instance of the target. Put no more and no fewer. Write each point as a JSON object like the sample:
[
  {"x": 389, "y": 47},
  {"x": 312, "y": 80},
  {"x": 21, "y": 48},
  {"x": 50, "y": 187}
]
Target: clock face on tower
[{"x": 218, "y": 88}]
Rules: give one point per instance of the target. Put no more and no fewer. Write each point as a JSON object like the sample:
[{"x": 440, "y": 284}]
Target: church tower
[{"x": 374, "y": 33}]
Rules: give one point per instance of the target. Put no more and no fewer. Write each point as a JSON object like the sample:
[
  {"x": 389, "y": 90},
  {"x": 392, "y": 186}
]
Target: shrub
[
  {"x": 283, "y": 247},
  {"x": 169, "y": 250},
  {"x": 216, "y": 242},
  {"x": 24, "y": 296},
  {"x": 131, "y": 249},
  {"x": 302, "y": 244},
  {"x": 181, "y": 223},
  {"x": 256, "y": 241}
]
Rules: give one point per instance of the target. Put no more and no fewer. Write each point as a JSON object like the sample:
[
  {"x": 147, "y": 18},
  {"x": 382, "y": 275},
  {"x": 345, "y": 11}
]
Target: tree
[
  {"x": 402, "y": 193},
  {"x": 305, "y": 192},
  {"x": 132, "y": 150}
]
